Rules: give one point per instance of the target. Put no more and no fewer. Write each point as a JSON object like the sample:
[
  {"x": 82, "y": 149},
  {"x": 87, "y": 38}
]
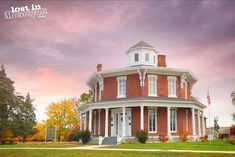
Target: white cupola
[{"x": 142, "y": 54}]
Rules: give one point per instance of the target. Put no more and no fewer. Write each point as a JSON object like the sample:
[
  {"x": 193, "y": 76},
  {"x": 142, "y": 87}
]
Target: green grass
[
  {"x": 90, "y": 153},
  {"x": 41, "y": 145},
  {"x": 219, "y": 145}
]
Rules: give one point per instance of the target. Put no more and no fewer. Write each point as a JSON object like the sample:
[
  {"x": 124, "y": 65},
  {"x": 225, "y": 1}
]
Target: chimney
[
  {"x": 161, "y": 60},
  {"x": 99, "y": 67}
]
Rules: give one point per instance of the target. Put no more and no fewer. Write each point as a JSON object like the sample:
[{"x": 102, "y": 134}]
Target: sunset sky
[{"x": 51, "y": 58}]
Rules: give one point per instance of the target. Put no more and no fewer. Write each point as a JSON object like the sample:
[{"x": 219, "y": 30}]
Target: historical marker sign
[{"x": 50, "y": 134}]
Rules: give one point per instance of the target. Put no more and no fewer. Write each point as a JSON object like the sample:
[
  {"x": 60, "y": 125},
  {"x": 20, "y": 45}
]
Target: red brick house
[{"x": 152, "y": 97}]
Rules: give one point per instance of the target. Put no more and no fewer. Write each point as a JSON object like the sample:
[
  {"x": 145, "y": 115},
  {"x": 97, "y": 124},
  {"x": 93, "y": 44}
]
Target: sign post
[{"x": 50, "y": 133}]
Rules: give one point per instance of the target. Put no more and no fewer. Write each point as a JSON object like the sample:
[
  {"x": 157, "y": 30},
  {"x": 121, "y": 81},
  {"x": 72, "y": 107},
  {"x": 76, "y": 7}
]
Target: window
[
  {"x": 152, "y": 120},
  {"x": 152, "y": 85},
  {"x": 171, "y": 86},
  {"x": 153, "y": 59},
  {"x": 146, "y": 57},
  {"x": 136, "y": 57},
  {"x": 186, "y": 120},
  {"x": 121, "y": 87},
  {"x": 173, "y": 120}
]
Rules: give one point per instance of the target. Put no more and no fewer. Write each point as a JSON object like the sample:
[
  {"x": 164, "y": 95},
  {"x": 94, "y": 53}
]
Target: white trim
[
  {"x": 155, "y": 109},
  {"x": 154, "y": 70},
  {"x": 172, "y": 92},
  {"x": 94, "y": 129},
  {"x": 96, "y": 92},
  {"x": 142, "y": 102},
  {"x": 106, "y": 122},
  {"x": 141, "y": 117},
  {"x": 119, "y": 79},
  {"x": 155, "y": 77},
  {"x": 175, "y": 110}
]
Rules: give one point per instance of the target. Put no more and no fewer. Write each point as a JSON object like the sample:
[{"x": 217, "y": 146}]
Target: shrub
[
  {"x": 163, "y": 138},
  {"x": 204, "y": 138},
  {"x": 231, "y": 140},
  {"x": 184, "y": 138},
  {"x": 142, "y": 136},
  {"x": 85, "y": 135},
  {"x": 75, "y": 136}
]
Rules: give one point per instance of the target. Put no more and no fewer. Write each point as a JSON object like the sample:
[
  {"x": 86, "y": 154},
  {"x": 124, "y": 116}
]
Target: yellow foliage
[
  {"x": 40, "y": 132},
  {"x": 62, "y": 116}
]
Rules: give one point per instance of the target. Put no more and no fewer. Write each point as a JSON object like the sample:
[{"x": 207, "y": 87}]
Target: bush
[
  {"x": 184, "y": 138},
  {"x": 163, "y": 138},
  {"x": 231, "y": 140},
  {"x": 85, "y": 135},
  {"x": 204, "y": 138},
  {"x": 142, "y": 136},
  {"x": 75, "y": 136}
]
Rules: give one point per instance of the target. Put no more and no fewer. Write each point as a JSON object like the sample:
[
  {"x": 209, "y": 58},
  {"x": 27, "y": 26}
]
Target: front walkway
[{"x": 100, "y": 148}]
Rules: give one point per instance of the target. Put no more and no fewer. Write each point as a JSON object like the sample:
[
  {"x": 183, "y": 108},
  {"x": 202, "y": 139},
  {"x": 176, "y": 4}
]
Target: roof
[
  {"x": 141, "y": 44},
  {"x": 154, "y": 101}
]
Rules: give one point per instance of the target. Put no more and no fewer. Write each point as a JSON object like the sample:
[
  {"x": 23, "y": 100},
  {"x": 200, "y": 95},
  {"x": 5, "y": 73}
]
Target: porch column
[
  {"x": 203, "y": 124},
  {"x": 193, "y": 121},
  {"x": 85, "y": 121},
  {"x": 123, "y": 122},
  {"x": 90, "y": 120},
  {"x": 141, "y": 117},
  {"x": 106, "y": 122},
  {"x": 168, "y": 121},
  {"x": 99, "y": 122},
  {"x": 199, "y": 122},
  {"x": 80, "y": 123}
]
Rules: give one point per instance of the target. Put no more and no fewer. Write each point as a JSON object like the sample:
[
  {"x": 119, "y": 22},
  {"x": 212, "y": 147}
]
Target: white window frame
[
  {"x": 155, "y": 115},
  {"x": 138, "y": 57},
  {"x": 121, "y": 94},
  {"x": 152, "y": 85},
  {"x": 175, "y": 120},
  {"x": 146, "y": 57},
  {"x": 186, "y": 119},
  {"x": 171, "y": 86}
]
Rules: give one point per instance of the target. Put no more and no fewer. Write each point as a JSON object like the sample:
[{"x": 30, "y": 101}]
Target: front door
[{"x": 117, "y": 122}]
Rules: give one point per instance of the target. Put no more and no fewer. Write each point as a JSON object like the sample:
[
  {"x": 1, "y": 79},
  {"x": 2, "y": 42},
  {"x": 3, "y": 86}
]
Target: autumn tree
[
  {"x": 17, "y": 116},
  {"x": 39, "y": 132},
  {"x": 62, "y": 116}
]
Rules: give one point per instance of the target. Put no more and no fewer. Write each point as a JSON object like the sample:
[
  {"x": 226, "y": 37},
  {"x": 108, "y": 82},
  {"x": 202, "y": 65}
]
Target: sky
[{"x": 52, "y": 57}]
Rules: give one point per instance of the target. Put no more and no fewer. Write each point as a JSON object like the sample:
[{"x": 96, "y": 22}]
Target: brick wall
[
  {"x": 162, "y": 121},
  {"x": 135, "y": 122}
]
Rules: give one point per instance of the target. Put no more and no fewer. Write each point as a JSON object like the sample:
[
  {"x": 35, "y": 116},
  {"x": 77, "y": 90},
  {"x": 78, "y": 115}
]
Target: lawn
[
  {"x": 215, "y": 145},
  {"x": 42, "y": 145},
  {"x": 90, "y": 153}
]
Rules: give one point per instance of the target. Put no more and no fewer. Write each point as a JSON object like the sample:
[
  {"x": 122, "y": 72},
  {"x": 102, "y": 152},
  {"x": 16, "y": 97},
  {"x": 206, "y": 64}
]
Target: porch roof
[{"x": 143, "y": 101}]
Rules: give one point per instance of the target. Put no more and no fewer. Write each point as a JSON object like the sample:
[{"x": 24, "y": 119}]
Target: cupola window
[
  {"x": 146, "y": 57},
  {"x": 136, "y": 57}
]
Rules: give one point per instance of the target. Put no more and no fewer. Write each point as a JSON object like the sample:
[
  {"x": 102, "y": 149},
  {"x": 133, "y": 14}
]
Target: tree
[
  {"x": 85, "y": 98},
  {"x": 25, "y": 120},
  {"x": 62, "y": 116},
  {"x": 16, "y": 112},
  {"x": 40, "y": 132},
  {"x": 216, "y": 125},
  {"x": 7, "y": 103}
]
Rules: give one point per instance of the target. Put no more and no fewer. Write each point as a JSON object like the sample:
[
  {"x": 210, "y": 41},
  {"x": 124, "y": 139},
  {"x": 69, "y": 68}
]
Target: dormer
[{"x": 142, "y": 54}]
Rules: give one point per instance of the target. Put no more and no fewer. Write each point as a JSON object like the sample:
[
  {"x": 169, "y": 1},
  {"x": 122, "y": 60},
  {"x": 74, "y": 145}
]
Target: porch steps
[{"x": 109, "y": 141}]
